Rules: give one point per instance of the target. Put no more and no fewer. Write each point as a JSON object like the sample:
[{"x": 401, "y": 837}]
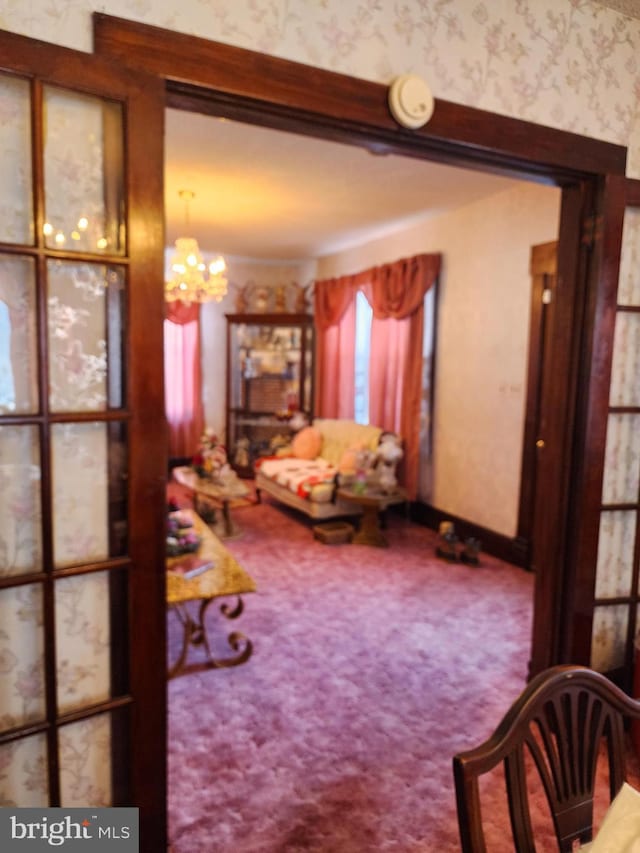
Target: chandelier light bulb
[{"x": 217, "y": 266}]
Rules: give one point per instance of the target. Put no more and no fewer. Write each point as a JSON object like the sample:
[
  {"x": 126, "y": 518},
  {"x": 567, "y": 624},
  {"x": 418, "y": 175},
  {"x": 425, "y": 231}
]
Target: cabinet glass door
[{"x": 270, "y": 376}]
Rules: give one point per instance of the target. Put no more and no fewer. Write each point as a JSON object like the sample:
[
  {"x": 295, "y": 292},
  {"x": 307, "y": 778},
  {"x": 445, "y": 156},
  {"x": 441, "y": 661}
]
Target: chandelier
[{"x": 190, "y": 279}]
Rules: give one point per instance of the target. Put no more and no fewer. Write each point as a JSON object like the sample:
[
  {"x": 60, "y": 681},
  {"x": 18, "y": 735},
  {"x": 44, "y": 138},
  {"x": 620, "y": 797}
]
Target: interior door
[
  {"x": 543, "y": 269},
  {"x": 82, "y": 436}
]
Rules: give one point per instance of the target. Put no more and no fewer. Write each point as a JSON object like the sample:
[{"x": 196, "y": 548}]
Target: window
[{"x": 364, "y": 315}]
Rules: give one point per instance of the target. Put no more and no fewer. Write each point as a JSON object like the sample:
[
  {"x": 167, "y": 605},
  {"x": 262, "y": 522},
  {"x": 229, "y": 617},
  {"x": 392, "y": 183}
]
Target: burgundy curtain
[
  {"x": 396, "y": 294},
  {"x": 183, "y": 380}
]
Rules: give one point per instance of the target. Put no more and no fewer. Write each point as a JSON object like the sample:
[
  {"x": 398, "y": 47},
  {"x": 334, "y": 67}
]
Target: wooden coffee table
[
  {"x": 372, "y": 503},
  {"x": 190, "y": 599},
  {"x": 221, "y": 494}
]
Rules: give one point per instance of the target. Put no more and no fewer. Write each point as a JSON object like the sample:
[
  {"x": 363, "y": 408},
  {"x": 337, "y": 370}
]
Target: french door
[
  {"x": 616, "y": 615},
  {"x": 82, "y": 435}
]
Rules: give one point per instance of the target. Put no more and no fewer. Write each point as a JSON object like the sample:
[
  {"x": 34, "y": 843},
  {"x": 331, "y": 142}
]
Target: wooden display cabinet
[{"x": 269, "y": 380}]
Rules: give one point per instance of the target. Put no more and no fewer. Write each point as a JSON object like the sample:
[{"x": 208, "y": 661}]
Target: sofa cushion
[
  {"x": 339, "y": 434},
  {"x": 307, "y": 443}
]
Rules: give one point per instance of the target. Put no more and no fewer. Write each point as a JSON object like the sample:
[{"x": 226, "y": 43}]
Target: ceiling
[{"x": 262, "y": 193}]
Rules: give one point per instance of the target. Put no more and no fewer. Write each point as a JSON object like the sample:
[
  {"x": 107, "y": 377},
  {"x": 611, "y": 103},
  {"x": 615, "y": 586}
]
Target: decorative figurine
[
  {"x": 260, "y": 296},
  {"x": 301, "y": 305},
  {"x": 242, "y": 297},
  {"x": 469, "y": 553},
  {"x": 280, "y": 299},
  {"x": 388, "y": 455},
  {"x": 447, "y": 542}
]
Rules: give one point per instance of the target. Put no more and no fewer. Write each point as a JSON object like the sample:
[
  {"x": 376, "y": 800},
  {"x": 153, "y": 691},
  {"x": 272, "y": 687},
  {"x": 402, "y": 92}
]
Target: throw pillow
[
  {"x": 349, "y": 461},
  {"x": 307, "y": 443}
]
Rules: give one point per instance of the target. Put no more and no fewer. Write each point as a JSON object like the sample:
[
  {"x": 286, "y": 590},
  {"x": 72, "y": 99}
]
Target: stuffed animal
[{"x": 387, "y": 457}]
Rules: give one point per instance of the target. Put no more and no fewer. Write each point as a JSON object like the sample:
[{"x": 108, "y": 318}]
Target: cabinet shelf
[{"x": 270, "y": 360}]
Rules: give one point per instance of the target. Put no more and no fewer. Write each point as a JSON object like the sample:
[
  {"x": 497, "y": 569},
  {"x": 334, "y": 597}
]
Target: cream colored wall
[
  {"x": 214, "y": 327},
  {"x": 481, "y": 359}
]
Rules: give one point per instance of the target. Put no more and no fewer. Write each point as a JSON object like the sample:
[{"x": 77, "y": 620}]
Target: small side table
[
  {"x": 221, "y": 494},
  {"x": 372, "y": 504}
]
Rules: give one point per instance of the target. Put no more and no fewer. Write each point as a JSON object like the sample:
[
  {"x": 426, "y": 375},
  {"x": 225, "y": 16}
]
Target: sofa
[{"x": 305, "y": 474}]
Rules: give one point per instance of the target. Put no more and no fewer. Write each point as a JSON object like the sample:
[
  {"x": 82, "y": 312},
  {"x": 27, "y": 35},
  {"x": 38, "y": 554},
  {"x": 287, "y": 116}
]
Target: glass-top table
[
  {"x": 190, "y": 598},
  {"x": 219, "y": 493}
]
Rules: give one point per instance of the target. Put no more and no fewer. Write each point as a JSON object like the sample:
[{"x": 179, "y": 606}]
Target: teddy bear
[{"x": 388, "y": 455}]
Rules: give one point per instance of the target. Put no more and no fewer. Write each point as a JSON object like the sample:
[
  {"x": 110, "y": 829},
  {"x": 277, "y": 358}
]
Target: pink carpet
[{"x": 371, "y": 668}]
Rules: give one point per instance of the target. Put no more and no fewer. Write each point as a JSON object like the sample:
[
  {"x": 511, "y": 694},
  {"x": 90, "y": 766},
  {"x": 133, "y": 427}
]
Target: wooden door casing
[{"x": 218, "y": 79}]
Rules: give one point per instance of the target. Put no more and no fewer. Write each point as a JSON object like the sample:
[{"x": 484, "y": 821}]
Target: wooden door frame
[
  {"x": 220, "y": 80},
  {"x": 138, "y": 612}
]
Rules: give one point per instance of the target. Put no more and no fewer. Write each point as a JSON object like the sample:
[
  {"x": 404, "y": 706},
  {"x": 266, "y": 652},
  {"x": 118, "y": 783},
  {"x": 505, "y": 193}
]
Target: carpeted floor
[{"x": 371, "y": 668}]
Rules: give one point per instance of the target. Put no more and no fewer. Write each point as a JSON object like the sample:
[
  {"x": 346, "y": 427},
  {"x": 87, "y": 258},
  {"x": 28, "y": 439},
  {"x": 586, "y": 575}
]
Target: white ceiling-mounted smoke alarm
[{"x": 410, "y": 101}]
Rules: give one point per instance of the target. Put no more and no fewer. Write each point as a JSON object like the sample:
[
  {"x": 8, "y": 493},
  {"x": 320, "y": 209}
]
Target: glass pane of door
[
  {"x": 24, "y": 765},
  {"x": 21, "y": 656},
  {"x": 20, "y": 528},
  {"x": 18, "y": 363},
  {"x": 83, "y": 168},
  {"x": 86, "y": 328},
  {"x": 85, "y": 762},
  {"x": 16, "y": 207},
  {"x": 79, "y": 474}
]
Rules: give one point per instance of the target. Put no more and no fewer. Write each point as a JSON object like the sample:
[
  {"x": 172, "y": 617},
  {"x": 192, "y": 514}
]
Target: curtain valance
[
  {"x": 393, "y": 290},
  {"x": 181, "y": 312}
]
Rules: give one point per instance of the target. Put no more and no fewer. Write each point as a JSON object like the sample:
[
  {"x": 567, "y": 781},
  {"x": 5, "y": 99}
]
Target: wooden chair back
[{"x": 561, "y": 719}]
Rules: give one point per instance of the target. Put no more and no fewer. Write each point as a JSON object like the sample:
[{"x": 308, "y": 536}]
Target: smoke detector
[{"x": 410, "y": 101}]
